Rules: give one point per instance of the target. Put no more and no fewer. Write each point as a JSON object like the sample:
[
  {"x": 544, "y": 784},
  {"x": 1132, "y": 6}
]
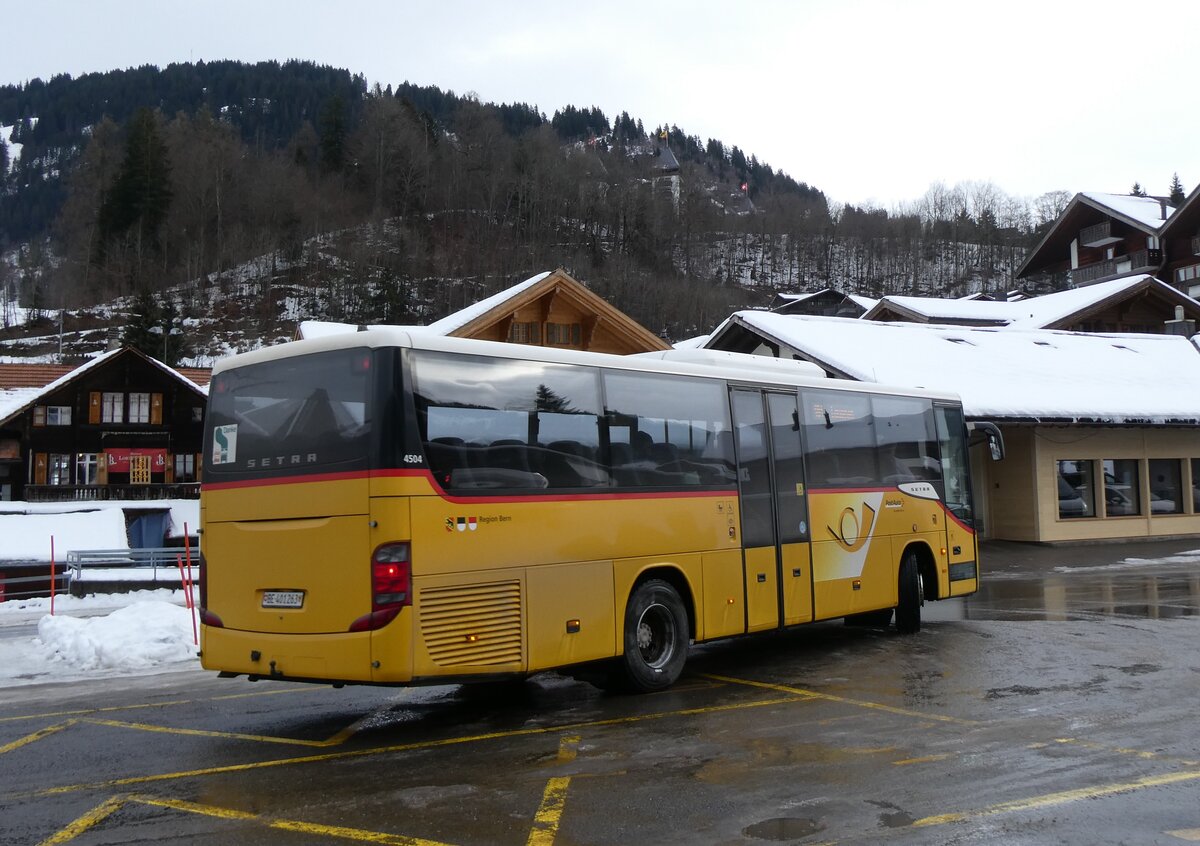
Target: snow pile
[
  {"x": 137, "y": 637},
  {"x": 151, "y": 633},
  {"x": 26, "y": 537}
]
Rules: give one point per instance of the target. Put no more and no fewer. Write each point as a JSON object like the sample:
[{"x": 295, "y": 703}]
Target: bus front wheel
[
  {"x": 656, "y": 637},
  {"x": 912, "y": 595}
]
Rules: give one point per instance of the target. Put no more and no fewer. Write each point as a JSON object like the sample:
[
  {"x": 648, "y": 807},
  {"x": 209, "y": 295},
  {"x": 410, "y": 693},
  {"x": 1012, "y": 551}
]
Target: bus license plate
[{"x": 283, "y": 599}]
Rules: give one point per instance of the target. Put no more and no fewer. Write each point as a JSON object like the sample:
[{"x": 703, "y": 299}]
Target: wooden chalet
[
  {"x": 121, "y": 426},
  {"x": 549, "y": 310},
  {"x": 826, "y": 302},
  {"x": 1139, "y": 303},
  {"x": 1181, "y": 247},
  {"x": 1100, "y": 237}
]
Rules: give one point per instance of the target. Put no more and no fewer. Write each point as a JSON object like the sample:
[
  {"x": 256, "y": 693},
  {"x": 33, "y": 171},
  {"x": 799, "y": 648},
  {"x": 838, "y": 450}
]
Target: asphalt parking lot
[{"x": 1057, "y": 706}]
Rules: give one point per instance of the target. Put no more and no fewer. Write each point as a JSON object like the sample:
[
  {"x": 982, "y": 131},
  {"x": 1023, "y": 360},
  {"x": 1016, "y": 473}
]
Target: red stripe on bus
[
  {"x": 286, "y": 480},
  {"x": 428, "y": 476}
]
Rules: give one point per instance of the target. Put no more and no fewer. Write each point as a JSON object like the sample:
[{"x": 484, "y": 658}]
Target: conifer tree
[
  {"x": 1176, "y": 197},
  {"x": 1136, "y": 190},
  {"x": 134, "y": 208},
  {"x": 333, "y": 135}
]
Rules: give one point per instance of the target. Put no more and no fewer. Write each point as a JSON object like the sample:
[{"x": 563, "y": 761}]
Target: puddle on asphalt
[
  {"x": 1076, "y": 596},
  {"x": 783, "y": 828}
]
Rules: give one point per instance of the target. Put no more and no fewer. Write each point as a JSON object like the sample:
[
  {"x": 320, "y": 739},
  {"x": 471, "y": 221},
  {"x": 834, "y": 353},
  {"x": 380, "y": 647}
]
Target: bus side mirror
[{"x": 990, "y": 433}]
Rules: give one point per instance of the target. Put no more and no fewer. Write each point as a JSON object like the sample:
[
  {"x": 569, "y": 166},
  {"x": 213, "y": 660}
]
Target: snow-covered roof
[
  {"x": 1006, "y": 373},
  {"x": 13, "y": 401},
  {"x": 461, "y": 318},
  {"x": 1030, "y": 313},
  {"x": 445, "y": 326},
  {"x": 865, "y": 303},
  {"x": 325, "y": 328},
  {"x": 692, "y": 343},
  {"x": 1147, "y": 211}
]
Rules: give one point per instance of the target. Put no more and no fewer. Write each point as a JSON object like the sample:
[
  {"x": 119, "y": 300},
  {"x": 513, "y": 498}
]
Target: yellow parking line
[
  {"x": 1121, "y": 750},
  {"x": 359, "y": 834},
  {"x": 568, "y": 748},
  {"x": 1061, "y": 798},
  {"x": 926, "y": 759},
  {"x": 545, "y": 822},
  {"x": 37, "y": 735},
  {"x": 97, "y": 814},
  {"x": 403, "y": 747},
  {"x": 259, "y": 738},
  {"x": 166, "y": 704},
  {"x": 1190, "y": 834},
  {"x": 829, "y": 697}
]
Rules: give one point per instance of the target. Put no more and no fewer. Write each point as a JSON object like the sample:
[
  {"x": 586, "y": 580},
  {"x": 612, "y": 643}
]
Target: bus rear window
[{"x": 294, "y": 414}]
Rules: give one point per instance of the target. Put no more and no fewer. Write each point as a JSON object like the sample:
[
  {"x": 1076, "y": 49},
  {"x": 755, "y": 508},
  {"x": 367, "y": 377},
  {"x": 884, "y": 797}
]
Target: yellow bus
[{"x": 390, "y": 507}]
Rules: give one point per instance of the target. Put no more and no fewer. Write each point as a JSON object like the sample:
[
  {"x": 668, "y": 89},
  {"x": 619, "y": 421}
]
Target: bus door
[
  {"x": 960, "y": 523},
  {"x": 774, "y": 509}
]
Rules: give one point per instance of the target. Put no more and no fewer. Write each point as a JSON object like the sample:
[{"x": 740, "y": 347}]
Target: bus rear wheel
[
  {"x": 656, "y": 637},
  {"x": 912, "y": 595}
]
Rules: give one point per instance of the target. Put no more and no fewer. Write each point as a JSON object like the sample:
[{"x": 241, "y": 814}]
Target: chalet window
[
  {"x": 113, "y": 408},
  {"x": 1186, "y": 274},
  {"x": 59, "y": 469},
  {"x": 197, "y": 414},
  {"x": 525, "y": 333},
  {"x": 39, "y": 415},
  {"x": 58, "y": 415},
  {"x": 139, "y": 408},
  {"x": 185, "y": 468},
  {"x": 87, "y": 469},
  {"x": 563, "y": 334}
]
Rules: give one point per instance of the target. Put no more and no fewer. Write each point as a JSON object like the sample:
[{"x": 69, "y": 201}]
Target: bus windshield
[{"x": 294, "y": 414}]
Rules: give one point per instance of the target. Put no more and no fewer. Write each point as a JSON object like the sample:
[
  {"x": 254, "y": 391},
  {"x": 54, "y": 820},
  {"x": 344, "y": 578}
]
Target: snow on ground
[
  {"x": 26, "y": 527},
  {"x": 1190, "y": 558},
  {"x": 27, "y": 537},
  {"x": 97, "y": 636}
]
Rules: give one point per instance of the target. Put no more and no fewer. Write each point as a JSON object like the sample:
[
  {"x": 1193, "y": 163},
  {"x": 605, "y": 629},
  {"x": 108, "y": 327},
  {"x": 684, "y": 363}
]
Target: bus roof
[{"x": 734, "y": 367}]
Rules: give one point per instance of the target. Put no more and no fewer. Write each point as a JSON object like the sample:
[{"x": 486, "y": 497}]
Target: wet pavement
[{"x": 1058, "y": 705}]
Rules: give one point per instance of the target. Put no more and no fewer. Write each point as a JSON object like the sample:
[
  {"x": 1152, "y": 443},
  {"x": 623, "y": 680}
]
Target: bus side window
[{"x": 665, "y": 431}]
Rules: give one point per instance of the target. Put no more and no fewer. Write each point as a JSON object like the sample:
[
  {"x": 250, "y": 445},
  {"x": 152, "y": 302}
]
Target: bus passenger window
[
  {"x": 667, "y": 431},
  {"x": 839, "y": 434},
  {"x": 504, "y": 425}
]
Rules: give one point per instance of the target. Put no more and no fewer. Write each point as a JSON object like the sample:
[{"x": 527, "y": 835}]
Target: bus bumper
[{"x": 316, "y": 657}]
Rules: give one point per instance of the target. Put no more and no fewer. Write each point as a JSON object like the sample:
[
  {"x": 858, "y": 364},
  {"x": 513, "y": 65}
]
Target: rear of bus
[{"x": 297, "y": 574}]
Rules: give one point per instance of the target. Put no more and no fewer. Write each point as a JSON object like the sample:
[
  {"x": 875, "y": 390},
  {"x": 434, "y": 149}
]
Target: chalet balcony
[
  {"x": 1141, "y": 261},
  {"x": 86, "y": 493},
  {"x": 1099, "y": 235}
]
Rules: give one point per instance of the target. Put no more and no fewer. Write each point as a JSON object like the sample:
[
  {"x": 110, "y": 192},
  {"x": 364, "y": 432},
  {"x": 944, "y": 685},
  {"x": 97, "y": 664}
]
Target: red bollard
[
  {"x": 53, "y": 576},
  {"x": 186, "y": 582}
]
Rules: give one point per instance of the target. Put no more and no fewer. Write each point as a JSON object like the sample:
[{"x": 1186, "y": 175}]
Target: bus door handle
[
  {"x": 797, "y": 572},
  {"x": 762, "y": 577}
]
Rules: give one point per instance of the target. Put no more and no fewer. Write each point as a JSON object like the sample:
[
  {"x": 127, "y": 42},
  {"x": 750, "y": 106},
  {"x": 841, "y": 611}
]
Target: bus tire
[
  {"x": 912, "y": 595},
  {"x": 656, "y": 637}
]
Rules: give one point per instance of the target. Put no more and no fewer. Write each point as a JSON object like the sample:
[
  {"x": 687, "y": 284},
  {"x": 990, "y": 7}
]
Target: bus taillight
[{"x": 391, "y": 586}]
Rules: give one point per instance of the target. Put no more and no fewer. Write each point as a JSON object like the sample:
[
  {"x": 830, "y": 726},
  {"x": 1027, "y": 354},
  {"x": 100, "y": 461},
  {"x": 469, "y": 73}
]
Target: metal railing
[
  {"x": 74, "y": 493},
  {"x": 26, "y": 586},
  {"x": 154, "y": 558}
]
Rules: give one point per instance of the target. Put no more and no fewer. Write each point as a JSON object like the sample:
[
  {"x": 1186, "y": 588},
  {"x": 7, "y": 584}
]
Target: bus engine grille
[{"x": 472, "y": 624}]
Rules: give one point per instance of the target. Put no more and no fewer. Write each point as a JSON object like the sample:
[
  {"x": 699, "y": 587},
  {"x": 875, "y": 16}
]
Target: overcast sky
[{"x": 869, "y": 100}]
